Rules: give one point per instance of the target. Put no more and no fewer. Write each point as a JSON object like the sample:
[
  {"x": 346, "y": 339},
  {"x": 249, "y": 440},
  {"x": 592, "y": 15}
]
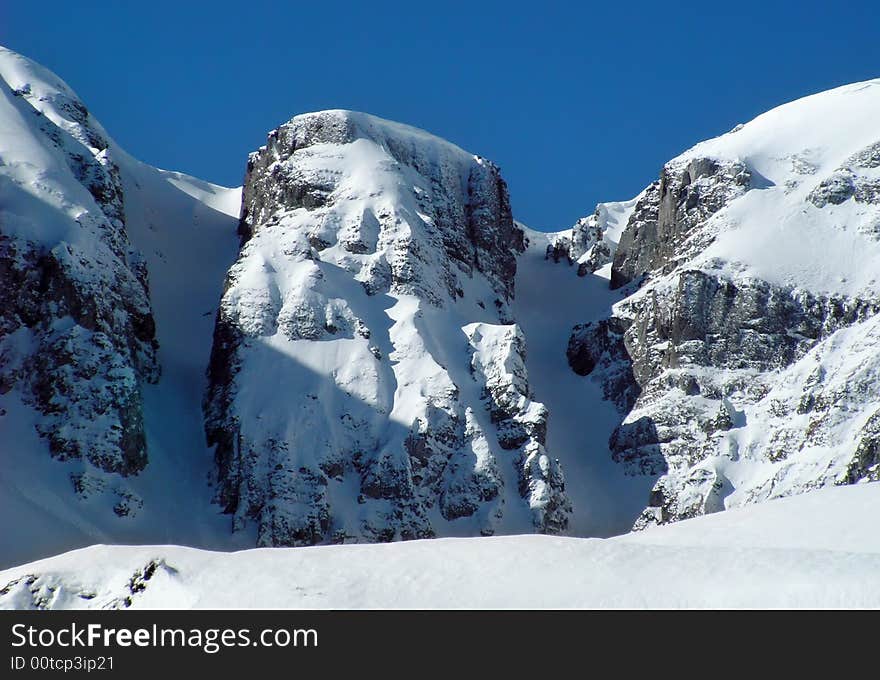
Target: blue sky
[{"x": 577, "y": 102}]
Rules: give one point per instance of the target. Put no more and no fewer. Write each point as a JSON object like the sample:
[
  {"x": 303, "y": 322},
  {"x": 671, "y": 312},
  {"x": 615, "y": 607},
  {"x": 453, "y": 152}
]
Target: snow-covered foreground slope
[{"x": 817, "y": 550}]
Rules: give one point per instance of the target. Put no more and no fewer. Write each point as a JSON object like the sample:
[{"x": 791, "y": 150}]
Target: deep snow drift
[{"x": 819, "y": 549}]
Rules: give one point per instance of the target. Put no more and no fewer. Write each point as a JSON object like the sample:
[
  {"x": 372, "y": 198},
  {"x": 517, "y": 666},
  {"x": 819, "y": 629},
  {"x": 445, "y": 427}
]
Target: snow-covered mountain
[
  {"x": 745, "y": 359},
  {"x": 362, "y": 345},
  {"x": 367, "y": 379},
  {"x": 110, "y": 274}
]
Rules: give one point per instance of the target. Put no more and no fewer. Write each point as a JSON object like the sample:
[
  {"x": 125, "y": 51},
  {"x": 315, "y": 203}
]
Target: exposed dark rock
[
  {"x": 670, "y": 212},
  {"x": 689, "y": 355},
  {"x": 865, "y": 464}
]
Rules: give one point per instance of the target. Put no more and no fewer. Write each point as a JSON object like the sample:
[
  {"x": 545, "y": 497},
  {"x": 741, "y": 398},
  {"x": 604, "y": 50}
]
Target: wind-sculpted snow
[
  {"x": 77, "y": 335},
  {"x": 744, "y": 363},
  {"x": 343, "y": 401}
]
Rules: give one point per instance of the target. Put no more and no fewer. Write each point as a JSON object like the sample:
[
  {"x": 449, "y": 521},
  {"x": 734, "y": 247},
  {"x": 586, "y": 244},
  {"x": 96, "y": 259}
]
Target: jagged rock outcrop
[
  {"x": 498, "y": 363},
  {"x": 706, "y": 356},
  {"x": 664, "y": 228},
  {"x": 466, "y": 209},
  {"x": 343, "y": 402},
  {"x": 582, "y": 244},
  {"x": 592, "y": 241},
  {"x": 600, "y": 345},
  {"x": 77, "y": 336},
  {"x": 852, "y": 180}
]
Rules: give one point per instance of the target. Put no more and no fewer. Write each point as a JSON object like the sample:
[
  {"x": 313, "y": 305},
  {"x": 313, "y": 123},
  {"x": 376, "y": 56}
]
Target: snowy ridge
[
  {"x": 77, "y": 329},
  {"x": 801, "y": 151}
]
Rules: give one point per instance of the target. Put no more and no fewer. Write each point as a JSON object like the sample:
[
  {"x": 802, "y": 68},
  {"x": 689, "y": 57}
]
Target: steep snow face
[
  {"x": 743, "y": 365},
  {"x": 814, "y": 223},
  {"x": 552, "y": 296},
  {"x": 820, "y": 549},
  {"x": 812, "y": 219},
  {"x": 83, "y": 336},
  {"x": 367, "y": 381}
]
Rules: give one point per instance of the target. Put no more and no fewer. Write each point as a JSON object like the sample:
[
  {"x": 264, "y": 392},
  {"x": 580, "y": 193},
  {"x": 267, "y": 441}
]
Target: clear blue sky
[{"x": 577, "y": 102}]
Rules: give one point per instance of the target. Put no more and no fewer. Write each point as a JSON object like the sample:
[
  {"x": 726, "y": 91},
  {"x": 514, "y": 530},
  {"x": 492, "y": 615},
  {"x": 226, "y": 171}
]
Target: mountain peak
[{"x": 386, "y": 241}]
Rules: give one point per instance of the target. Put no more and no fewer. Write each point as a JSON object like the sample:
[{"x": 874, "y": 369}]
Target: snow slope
[
  {"x": 550, "y": 299},
  {"x": 186, "y": 230},
  {"x": 778, "y": 233},
  {"x": 817, "y": 550}
]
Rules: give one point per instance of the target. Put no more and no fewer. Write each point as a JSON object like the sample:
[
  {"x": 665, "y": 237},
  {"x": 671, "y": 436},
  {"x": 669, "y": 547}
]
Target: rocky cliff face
[
  {"x": 740, "y": 362},
  {"x": 665, "y": 227},
  {"x": 77, "y": 337},
  {"x": 351, "y": 393}
]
